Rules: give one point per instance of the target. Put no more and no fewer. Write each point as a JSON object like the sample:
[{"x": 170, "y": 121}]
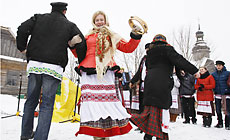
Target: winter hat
[
  {"x": 160, "y": 38},
  {"x": 58, "y": 6},
  {"x": 220, "y": 63}
]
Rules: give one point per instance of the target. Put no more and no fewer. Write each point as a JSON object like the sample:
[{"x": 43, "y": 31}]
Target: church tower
[
  {"x": 200, "y": 49},
  {"x": 201, "y": 52}
]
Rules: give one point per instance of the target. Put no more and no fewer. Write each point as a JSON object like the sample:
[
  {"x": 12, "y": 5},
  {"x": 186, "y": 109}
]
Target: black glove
[
  {"x": 201, "y": 85},
  {"x": 200, "y": 89}
]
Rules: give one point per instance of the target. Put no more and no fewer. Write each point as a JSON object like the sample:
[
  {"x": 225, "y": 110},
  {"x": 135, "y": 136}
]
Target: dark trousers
[
  {"x": 218, "y": 111},
  {"x": 227, "y": 117},
  {"x": 188, "y": 107}
]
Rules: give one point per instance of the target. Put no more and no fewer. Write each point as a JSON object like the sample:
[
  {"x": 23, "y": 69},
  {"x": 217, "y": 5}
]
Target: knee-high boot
[
  {"x": 204, "y": 121},
  {"x": 209, "y": 121}
]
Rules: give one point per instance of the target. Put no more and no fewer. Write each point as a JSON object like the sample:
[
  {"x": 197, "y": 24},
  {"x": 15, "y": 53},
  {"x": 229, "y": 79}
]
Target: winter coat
[
  {"x": 228, "y": 82},
  {"x": 205, "y": 93},
  {"x": 50, "y": 34},
  {"x": 161, "y": 59},
  {"x": 187, "y": 84},
  {"x": 90, "y": 58},
  {"x": 221, "y": 78}
]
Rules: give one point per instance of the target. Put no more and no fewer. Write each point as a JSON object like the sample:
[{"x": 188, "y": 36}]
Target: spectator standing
[
  {"x": 205, "y": 96},
  {"x": 175, "y": 108},
  {"x": 187, "y": 91},
  {"x": 221, "y": 91}
]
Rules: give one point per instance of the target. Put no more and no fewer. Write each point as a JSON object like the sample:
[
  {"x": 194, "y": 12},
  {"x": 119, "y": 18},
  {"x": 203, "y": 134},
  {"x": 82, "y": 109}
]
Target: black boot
[
  {"x": 147, "y": 137},
  {"x": 194, "y": 120},
  {"x": 187, "y": 120},
  {"x": 209, "y": 121},
  {"x": 219, "y": 125},
  {"x": 220, "y": 121},
  {"x": 204, "y": 121}
]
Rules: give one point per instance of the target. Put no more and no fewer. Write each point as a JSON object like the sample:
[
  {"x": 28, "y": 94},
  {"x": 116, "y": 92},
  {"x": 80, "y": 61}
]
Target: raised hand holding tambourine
[{"x": 142, "y": 23}]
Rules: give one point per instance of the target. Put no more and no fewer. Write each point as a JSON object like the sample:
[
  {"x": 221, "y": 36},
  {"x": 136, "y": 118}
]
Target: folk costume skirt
[
  {"x": 205, "y": 108},
  {"x": 102, "y": 113},
  {"x": 153, "y": 121}
]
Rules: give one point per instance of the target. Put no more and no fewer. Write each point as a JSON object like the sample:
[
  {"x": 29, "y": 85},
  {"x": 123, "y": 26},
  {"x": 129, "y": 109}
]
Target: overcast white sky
[{"x": 162, "y": 16}]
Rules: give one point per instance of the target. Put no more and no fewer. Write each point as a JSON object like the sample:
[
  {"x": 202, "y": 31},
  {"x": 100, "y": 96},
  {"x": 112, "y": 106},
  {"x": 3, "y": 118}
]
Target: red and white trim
[
  {"x": 109, "y": 132},
  {"x": 204, "y": 106},
  {"x": 165, "y": 121}
]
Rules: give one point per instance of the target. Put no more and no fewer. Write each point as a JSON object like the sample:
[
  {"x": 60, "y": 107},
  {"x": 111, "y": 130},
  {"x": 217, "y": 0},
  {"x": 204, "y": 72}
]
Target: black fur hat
[{"x": 58, "y": 6}]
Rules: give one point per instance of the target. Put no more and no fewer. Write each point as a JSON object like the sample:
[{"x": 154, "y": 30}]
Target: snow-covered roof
[{"x": 12, "y": 58}]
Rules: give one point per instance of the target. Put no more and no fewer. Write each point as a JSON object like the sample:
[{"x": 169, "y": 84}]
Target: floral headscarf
[{"x": 105, "y": 44}]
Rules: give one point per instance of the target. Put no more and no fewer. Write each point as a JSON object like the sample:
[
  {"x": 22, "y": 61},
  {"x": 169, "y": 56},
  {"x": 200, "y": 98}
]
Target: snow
[{"x": 11, "y": 127}]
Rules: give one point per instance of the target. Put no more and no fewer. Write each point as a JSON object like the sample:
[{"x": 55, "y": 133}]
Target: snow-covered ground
[{"x": 11, "y": 127}]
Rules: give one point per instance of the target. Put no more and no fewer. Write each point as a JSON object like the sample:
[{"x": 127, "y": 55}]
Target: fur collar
[{"x": 205, "y": 75}]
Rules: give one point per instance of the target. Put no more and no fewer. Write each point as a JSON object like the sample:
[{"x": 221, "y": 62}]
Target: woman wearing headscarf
[
  {"x": 102, "y": 113},
  {"x": 160, "y": 60},
  {"x": 205, "y": 96}
]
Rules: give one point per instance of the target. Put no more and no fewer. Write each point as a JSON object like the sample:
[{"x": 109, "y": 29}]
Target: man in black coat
[
  {"x": 47, "y": 57},
  {"x": 158, "y": 83}
]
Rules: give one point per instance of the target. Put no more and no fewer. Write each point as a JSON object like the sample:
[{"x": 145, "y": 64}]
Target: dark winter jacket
[
  {"x": 50, "y": 34},
  {"x": 221, "y": 78},
  {"x": 161, "y": 59},
  {"x": 228, "y": 82},
  {"x": 187, "y": 84}
]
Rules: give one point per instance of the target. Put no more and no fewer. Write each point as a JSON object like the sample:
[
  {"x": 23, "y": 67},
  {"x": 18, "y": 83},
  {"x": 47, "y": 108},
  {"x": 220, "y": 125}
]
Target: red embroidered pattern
[
  {"x": 97, "y": 87},
  {"x": 99, "y": 97}
]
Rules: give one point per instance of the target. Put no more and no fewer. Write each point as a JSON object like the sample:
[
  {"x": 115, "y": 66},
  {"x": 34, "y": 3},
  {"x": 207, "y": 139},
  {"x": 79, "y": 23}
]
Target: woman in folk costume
[
  {"x": 175, "y": 108},
  {"x": 205, "y": 96},
  {"x": 160, "y": 60},
  {"x": 102, "y": 113}
]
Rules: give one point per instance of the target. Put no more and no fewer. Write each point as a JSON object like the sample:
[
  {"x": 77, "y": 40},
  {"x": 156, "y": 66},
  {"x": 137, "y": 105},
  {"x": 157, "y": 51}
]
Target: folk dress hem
[
  {"x": 102, "y": 132},
  {"x": 102, "y": 113}
]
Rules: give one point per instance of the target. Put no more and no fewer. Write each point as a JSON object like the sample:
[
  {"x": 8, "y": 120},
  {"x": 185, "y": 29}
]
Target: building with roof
[
  {"x": 13, "y": 65},
  {"x": 201, "y": 52}
]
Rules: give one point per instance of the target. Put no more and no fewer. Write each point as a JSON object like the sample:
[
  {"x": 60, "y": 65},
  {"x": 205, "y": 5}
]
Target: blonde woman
[{"x": 102, "y": 113}]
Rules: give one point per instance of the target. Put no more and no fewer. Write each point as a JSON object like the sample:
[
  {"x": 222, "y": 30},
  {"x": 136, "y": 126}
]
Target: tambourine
[{"x": 143, "y": 24}]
